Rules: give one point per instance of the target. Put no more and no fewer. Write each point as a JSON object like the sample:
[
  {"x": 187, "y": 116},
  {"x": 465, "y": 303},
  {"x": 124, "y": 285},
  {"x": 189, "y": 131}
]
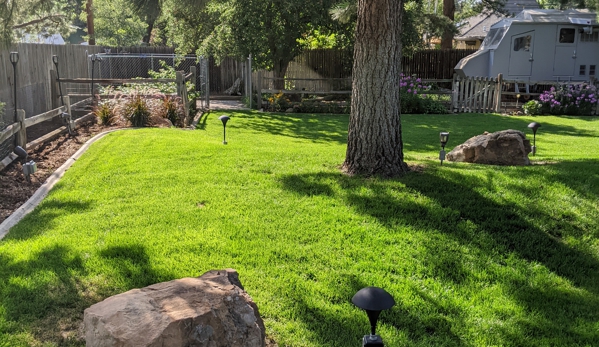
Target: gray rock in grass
[
  {"x": 506, "y": 147},
  {"x": 212, "y": 310}
]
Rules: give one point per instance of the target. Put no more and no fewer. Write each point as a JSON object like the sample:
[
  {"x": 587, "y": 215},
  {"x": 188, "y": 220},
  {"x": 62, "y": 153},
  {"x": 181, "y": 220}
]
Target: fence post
[
  {"x": 21, "y": 136},
  {"x": 208, "y": 83},
  {"x": 180, "y": 81},
  {"x": 194, "y": 76},
  {"x": 259, "y": 88},
  {"x": 67, "y": 104},
  {"x": 250, "y": 80},
  {"x": 498, "y": 93},
  {"x": 54, "y": 89},
  {"x": 454, "y": 88}
]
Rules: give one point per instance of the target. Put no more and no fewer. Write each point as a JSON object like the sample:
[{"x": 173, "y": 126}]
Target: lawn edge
[{"x": 45, "y": 188}]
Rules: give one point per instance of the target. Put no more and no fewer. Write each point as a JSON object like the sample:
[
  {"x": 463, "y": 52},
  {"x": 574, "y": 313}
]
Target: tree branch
[{"x": 35, "y": 21}]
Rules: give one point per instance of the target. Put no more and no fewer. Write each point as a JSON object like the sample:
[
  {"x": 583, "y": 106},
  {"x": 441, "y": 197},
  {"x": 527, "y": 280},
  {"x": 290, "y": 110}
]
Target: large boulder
[
  {"x": 506, "y": 147},
  {"x": 212, "y": 310}
]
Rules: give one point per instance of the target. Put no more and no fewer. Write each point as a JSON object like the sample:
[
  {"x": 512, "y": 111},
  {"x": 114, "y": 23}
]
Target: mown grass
[{"x": 474, "y": 255}]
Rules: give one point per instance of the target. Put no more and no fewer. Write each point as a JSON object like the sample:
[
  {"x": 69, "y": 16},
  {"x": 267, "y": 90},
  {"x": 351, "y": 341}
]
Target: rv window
[
  {"x": 591, "y": 70},
  {"x": 566, "y": 35},
  {"x": 522, "y": 43},
  {"x": 489, "y": 38},
  {"x": 498, "y": 36},
  {"x": 583, "y": 70}
]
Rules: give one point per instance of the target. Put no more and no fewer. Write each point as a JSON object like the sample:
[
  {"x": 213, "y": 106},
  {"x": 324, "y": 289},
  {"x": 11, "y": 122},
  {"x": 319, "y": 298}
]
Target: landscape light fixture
[
  {"x": 373, "y": 300},
  {"x": 28, "y": 167},
  {"x": 55, "y": 61},
  {"x": 224, "y": 118},
  {"x": 444, "y": 137},
  {"x": 14, "y": 59},
  {"x": 68, "y": 121},
  {"x": 534, "y": 126}
]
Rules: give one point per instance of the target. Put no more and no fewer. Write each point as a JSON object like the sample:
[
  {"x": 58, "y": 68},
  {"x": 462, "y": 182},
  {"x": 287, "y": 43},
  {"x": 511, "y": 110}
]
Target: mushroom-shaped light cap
[
  {"x": 534, "y": 126},
  {"x": 373, "y": 299}
]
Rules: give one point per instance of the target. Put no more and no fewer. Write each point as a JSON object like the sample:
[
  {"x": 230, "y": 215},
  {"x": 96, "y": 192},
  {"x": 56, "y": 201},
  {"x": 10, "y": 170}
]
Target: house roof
[{"x": 477, "y": 27}]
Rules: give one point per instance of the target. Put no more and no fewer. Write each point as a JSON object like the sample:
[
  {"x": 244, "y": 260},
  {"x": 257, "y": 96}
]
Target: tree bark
[
  {"x": 449, "y": 12},
  {"x": 280, "y": 69},
  {"x": 374, "y": 144},
  {"x": 89, "y": 8},
  {"x": 148, "y": 36}
]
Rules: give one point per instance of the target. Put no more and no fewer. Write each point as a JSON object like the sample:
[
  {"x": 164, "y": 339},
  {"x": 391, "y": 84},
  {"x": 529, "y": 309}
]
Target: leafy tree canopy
[
  {"x": 46, "y": 17},
  {"x": 116, "y": 24},
  {"x": 272, "y": 31}
]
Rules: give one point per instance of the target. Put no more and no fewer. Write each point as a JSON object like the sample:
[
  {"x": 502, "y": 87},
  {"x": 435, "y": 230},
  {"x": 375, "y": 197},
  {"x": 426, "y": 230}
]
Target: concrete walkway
[{"x": 220, "y": 105}]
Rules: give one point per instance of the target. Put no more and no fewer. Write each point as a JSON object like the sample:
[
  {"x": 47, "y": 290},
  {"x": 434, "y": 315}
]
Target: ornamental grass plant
[{"x": 474, "y": 255}]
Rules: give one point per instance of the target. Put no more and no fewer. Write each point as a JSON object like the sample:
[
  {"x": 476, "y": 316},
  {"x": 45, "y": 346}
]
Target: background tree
[
  {"x": 419, "y": 22},
  {"x": 448, "y": 12},
  {"x": 269, "y": 30},
  {"x": 32, "y": 17},
  {"x": 115, "y": 24},
  {"x": 374, "y": 144}
]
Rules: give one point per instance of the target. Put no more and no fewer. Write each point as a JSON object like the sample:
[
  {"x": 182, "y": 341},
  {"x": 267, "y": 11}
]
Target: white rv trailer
[{"x": 538, "y": 45}]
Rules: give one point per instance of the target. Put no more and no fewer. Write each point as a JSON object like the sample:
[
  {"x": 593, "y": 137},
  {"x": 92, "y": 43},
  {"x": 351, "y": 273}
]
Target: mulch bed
[{"x": 14, "y": 188}]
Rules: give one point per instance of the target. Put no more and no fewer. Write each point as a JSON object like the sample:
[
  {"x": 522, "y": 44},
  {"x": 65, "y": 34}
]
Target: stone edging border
[{"x": 42, "y": 191}]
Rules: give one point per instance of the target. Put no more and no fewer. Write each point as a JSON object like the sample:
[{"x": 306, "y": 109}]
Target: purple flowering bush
[
  {"x": 567, "y": 100},
  {"x": 414, "y": 98}
]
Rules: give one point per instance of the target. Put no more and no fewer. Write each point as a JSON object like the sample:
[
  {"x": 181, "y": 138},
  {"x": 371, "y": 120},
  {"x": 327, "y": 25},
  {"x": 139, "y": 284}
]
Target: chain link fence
[{"x": 139, "y": 65}]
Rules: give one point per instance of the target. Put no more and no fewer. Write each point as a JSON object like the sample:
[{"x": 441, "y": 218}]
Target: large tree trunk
[
  {"x": 374, "y": 144},
  {"x": 449, "y": 12},
  {"x": 148, "y": 36},
  {"x": 280, "y": 69},
  {"x": 89, "y": 8}
]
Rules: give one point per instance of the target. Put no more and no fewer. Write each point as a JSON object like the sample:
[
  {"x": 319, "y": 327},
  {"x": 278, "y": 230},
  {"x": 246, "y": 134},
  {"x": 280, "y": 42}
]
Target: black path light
[
  {"x": 444, "y": 137},
  {"x": 14, "y": 59},
  {"x": 55, "y": 61},
  {"x": 373, "y": 300},
  {"x": 534, "y": 126},
  {"x": 224, "y": 118},
  {"x": 28, "y": 167}
]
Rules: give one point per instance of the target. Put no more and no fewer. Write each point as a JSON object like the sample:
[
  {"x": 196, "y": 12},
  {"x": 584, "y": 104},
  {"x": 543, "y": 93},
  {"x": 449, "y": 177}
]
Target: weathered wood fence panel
[{"x": 475, "y": 94}]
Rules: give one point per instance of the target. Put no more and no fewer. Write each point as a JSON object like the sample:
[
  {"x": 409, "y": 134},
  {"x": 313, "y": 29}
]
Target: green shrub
[
  {"x": 137, "y": 112},
  {"x": 104, "y": 113},
  {"x": 413, "y": 97},
  {"x": 430, "y": 106},
  {"x": 533, "y": 107}
]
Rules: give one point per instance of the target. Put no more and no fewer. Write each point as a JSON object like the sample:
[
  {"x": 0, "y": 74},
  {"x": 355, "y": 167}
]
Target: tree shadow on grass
[
  {"x": 43, "y": 292},
  {"x": 492, "y": 123},
  {"x": 323, "y": 324},
  {"x": 133, "y": 266},
  {"x": 318, "y": 128},
  {"x": 42, "y": 219},
  {"x": 498, "y": 230},
  {"x": 47, "y": 293}
]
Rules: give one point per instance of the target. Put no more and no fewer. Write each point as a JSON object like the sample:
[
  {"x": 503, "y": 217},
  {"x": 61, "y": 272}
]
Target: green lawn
[{"x": 474, "y": 255}]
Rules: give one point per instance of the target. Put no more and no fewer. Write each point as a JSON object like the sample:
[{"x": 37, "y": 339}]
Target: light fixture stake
[
  {"x": 534, "y": 126},
  {"x": 443, "y": 137},
  {"x": 224, "y": 118}
]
